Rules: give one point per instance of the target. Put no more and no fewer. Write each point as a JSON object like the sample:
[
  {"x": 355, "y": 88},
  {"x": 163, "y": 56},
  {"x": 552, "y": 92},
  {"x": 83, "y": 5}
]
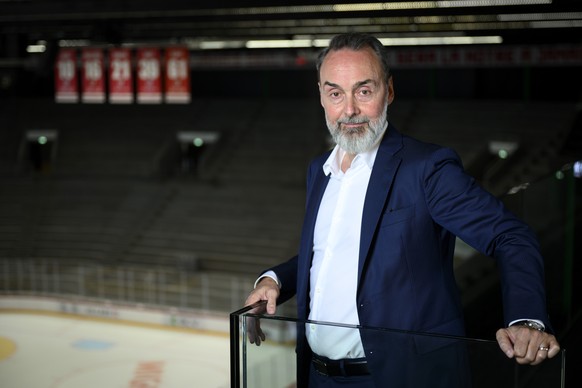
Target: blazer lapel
[
  {"x": 385, "y": 167},
  {"x": 315, "y": 194},
  {"x": 313, "y": 201}
]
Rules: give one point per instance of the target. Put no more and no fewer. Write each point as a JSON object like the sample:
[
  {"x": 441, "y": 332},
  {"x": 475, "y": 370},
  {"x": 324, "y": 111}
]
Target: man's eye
[{"x": 365, "y": 94}]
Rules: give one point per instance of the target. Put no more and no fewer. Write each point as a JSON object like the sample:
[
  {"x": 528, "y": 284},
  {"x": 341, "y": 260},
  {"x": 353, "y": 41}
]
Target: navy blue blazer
[{"x": 418, "y": 199}]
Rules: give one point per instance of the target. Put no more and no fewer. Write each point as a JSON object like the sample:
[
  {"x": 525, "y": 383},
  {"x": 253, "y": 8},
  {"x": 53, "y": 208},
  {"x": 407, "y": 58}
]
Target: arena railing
[
  {"x": 412, "y": 359},
  {"x": 122, "y": 283}
]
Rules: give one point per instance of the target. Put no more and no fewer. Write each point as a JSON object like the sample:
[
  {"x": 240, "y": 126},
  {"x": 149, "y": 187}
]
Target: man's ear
[{"x": 390, "y": 95}]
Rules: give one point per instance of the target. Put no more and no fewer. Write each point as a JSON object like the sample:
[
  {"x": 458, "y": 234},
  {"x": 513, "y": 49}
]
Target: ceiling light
[
  {"x": 557, "y": 24},
  {"x": 540, "y": 16},
  {"x": 279, "y": 43},
  {"x": 396, "y": 41},
  {"x": 366, "y": 7},
  {"x": 40, "y": 47},
  {"x": 441, "y": 40},
  {"x": 217, "y": 45}
]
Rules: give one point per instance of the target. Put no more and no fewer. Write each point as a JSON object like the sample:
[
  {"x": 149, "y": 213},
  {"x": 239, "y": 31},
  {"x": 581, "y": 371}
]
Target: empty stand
[
  {"x": 540, "y": 129},
  {"x": 117, "y": 199}
]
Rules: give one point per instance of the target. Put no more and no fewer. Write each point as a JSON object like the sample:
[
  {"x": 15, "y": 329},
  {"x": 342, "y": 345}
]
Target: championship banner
[
  {"x": 149, "y": 82},
  {"x": 92, "y": 76},
  {"x": 177, "y": 75},
  {"x": 120, "y": 76},
  {"x": 66, "y": 81}
]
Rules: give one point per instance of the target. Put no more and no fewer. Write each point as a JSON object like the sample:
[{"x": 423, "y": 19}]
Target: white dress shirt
[{"x": 336, "y": 246}]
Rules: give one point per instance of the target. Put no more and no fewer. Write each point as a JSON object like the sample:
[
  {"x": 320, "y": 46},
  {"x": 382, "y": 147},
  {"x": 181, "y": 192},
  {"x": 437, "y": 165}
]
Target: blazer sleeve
[
  {"x": 287, "y": 272},
  {"x": 287, "y": 275},
  {"x": 463, "y": 207}
]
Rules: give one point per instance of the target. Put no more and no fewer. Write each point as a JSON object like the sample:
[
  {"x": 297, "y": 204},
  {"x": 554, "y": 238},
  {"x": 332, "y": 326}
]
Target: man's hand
[
  {"x": 267, "y": 289},
  {"x": 527, "y": 345}
]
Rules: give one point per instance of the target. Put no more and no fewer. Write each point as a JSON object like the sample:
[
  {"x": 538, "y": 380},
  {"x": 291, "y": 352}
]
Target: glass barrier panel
[
  {"x": 552, "y": 207},
  {"x": 409, "y": 359}
]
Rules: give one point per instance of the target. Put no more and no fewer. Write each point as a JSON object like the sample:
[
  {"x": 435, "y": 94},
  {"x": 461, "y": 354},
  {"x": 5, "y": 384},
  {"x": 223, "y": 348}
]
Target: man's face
[{"x": 355, "y": 97}]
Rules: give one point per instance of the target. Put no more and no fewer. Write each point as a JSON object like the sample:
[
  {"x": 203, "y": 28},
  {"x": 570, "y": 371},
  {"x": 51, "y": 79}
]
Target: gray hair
[{"x": 356, "y": 42}]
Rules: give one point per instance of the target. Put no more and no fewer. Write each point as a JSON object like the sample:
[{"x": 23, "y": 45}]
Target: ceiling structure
[
  {"x": 243, "y": 25},
  {"x": 273, "y": 32}
]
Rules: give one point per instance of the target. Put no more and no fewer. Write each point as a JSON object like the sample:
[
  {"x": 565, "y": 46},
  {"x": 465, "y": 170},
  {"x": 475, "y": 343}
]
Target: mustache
[{"x": 354, "y": 120}]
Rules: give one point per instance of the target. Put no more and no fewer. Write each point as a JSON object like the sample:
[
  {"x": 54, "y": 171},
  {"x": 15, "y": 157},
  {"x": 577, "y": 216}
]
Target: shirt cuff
[{"x": 269, "y": 274}]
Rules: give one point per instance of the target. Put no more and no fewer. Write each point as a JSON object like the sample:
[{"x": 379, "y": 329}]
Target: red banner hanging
[
  {"x": 177, "y": 75},
  {"x": 120, "y": 76},
  {"x": 66, "y": 81},
  {"x": 149, "y": 82},
  {"x": 92, "y": 76}
]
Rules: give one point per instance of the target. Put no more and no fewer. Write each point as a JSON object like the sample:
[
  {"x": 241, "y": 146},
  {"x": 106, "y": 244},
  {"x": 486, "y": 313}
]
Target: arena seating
[{"x": 108, "y": 200}]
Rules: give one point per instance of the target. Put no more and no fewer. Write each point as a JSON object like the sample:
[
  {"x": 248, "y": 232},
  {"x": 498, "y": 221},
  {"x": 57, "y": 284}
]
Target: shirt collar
[{"x": 333, "y": 162}]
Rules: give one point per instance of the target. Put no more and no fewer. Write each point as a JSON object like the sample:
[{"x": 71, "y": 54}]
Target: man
[{"x": 377, "y": 244}]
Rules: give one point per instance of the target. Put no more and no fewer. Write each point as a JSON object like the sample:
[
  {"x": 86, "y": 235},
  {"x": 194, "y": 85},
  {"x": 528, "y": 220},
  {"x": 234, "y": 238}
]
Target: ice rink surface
[{"x": 59, "y": 351}]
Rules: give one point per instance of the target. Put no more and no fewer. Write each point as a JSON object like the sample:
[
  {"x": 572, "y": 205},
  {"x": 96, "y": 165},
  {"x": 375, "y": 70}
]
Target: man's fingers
[
  {"x": 527, "y": 346},
  {"x": 534, "y": 356},
  {"x": 267, "y": 290},
  {"x": 554, "y": 349},
  {"x": 505, "y": 343},
  {"x": 253, "y": 298},
  {"x": 256, "y": 335},
  {"x": 272, "y": 296}
]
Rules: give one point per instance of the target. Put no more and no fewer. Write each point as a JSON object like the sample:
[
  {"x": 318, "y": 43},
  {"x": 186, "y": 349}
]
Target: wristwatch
[{"x": 531, "y": 324}]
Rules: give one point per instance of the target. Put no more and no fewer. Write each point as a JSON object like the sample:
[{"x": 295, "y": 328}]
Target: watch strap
[{"x": 531, "y": 324}]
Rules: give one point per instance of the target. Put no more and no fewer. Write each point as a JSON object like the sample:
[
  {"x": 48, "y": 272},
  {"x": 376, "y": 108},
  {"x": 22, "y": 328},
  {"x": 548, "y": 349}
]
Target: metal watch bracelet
[{"x": 531, "y": 324}]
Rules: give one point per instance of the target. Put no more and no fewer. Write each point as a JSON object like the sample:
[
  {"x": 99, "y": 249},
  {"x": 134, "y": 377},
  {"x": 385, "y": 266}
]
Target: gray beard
[{"x": 361, "y": 139}]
